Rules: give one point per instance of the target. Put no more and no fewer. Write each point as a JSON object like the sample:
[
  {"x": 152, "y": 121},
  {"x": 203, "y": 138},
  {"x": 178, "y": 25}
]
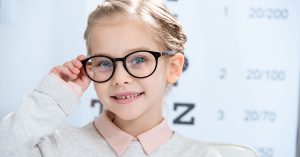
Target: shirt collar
[{"x": 120, "y": 140}]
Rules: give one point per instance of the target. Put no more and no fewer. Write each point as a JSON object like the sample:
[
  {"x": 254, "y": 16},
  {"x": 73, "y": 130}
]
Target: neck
[{"x": 139, "y": 125}]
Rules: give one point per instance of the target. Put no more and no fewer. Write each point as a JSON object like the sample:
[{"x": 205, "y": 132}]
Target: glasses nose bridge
[
  {"x": 123, "y": 60},
  {"x": 120, "y": 70}
]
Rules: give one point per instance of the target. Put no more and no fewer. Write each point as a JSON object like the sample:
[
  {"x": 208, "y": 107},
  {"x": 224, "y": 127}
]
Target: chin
[{"x": 128, "y": 116}]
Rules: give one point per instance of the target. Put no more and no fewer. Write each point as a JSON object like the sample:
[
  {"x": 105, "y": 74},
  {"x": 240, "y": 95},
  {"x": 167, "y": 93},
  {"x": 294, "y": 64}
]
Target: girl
[{"x": 135, "y": 50}]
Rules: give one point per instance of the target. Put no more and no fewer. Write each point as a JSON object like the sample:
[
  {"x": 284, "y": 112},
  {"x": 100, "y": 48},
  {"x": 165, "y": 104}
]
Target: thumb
[{"x": 84, "y": 80}]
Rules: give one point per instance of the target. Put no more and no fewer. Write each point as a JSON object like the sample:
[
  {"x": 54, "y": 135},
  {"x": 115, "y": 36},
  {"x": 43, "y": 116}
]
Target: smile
[{"x": 126, "y": 98}]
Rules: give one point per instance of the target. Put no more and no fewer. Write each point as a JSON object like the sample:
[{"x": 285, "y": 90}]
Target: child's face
[{"x": 116, "y": 37}]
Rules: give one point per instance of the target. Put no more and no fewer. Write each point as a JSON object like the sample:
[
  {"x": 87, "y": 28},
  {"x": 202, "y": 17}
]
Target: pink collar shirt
[{"x": 120, "y": 140}]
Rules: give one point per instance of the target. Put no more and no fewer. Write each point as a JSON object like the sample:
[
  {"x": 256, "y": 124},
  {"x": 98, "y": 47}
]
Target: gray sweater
[{"x": 37, "y": 129}]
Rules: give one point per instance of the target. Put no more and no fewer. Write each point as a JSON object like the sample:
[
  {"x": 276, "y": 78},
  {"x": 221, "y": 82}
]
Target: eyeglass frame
[{"x": 123, "y": 59}]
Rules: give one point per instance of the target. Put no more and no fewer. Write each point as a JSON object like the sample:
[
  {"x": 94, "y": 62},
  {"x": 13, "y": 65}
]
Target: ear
[{"x": 175, "y": 65}]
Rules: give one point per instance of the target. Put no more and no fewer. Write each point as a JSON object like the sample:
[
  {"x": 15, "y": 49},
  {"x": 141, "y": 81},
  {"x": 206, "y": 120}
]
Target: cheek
[
  {"x": 161, "y": 74},
  {"x": 158, "y": 81},
  {"x": 156, "y": 90},
  {"x": 100, "y": 91}
]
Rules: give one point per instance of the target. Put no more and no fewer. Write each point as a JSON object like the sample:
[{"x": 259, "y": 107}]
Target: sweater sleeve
[
  {"x": 40, "y": 113},
  {"x": 213, "y": 153}
]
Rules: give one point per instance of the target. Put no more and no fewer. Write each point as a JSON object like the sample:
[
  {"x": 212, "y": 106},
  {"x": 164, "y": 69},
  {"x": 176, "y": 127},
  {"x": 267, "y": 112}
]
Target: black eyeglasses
[{"x": 139, "y": 64}]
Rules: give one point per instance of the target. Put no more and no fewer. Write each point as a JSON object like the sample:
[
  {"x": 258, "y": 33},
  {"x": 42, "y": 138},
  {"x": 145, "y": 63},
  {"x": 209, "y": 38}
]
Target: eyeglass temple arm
[{"x": 168, "y": 52}]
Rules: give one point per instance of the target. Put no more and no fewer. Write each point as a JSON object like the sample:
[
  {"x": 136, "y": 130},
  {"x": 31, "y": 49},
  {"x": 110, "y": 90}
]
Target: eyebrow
[{"x": 127, "y": 51}]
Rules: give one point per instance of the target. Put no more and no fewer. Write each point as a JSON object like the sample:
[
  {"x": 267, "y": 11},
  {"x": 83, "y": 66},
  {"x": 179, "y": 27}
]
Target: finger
[
  {"x": 54, "y": 70},
  {"x": 66, "y": 72},
  {"x": 81, "y": 57},
  {"x": 82, "y": 71},
  {"x": 84, "y": 80},
  {"x": 72, "y": 68},
  {"x": 77, "y": 63}
]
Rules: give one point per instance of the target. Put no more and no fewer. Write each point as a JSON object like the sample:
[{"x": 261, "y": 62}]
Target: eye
[
  {"x": 105, "y": 64},
  {"x": 139, "y": 60}
]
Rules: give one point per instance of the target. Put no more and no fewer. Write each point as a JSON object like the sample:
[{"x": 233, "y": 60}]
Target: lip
[{"x": 126, "y": 97}]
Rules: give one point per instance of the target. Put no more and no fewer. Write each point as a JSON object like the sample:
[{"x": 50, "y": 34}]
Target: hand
[{"x": 73, "y": 71}]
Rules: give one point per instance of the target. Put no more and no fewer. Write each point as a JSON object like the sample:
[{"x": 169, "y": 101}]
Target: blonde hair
[{"x": 166, "y": 29}]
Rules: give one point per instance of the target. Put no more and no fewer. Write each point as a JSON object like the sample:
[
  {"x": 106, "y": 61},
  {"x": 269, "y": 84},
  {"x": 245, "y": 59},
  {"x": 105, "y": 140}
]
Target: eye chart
[{"x": 242, "y": 83}]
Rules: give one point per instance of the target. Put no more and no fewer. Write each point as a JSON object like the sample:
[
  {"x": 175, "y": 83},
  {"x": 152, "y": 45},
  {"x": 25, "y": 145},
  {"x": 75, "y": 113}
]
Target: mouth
[{"x": 126, "y": 98}]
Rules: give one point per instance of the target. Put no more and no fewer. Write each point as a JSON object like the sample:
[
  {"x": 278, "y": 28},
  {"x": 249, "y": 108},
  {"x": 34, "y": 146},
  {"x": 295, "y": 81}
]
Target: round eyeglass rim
[{"x": 114, "y": 60}]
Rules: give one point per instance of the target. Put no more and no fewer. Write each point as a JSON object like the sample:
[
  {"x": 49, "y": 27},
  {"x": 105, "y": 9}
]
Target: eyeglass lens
[{"x": 139, "y": 64}]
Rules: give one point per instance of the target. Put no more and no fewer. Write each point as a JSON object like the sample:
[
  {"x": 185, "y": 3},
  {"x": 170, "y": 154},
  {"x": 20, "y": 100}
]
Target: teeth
[{"x": 127, "y": 97}]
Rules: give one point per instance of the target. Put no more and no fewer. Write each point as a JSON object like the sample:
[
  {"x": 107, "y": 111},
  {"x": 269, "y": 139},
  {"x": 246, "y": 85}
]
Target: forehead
[{"x": 119, "y": 34}]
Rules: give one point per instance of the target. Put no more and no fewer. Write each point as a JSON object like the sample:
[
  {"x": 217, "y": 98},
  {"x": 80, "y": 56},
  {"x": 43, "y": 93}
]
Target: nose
[{"x": 121, "y": 76}]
